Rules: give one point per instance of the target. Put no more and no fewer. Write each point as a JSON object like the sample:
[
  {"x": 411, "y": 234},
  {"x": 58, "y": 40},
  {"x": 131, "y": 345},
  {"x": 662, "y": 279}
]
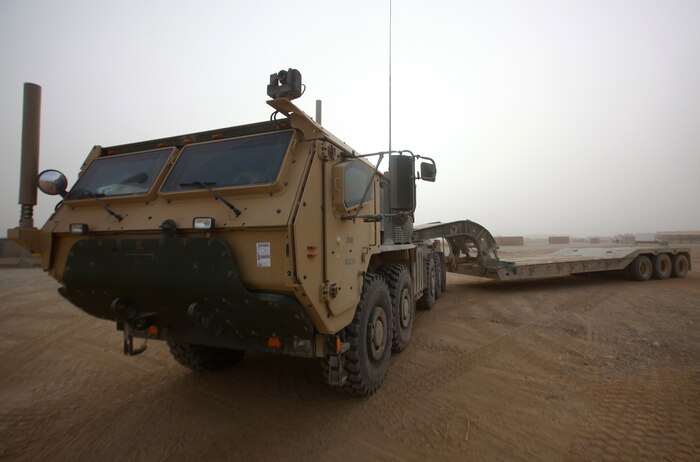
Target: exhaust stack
[
  {"x": 31, "y": 121},
  {"x": 318, "y": 111}
]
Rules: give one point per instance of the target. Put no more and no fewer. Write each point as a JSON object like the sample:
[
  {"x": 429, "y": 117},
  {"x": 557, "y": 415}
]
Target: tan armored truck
[{"x": 274, "y": 236}]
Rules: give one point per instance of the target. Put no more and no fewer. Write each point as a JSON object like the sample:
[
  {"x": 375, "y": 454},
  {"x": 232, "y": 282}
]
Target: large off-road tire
[
  {"x": 438, "y": 275},
  {"x": 369, "y": 335},
  {"x": 427, "y": 301},
  {"x": 443, "y": 271},
  {"x": 679, "y": 266},
  {"x": 640, "y": 269},
  {"x": 661, "y": 266},
  {"x": 204, "y": 358},
  {"x": 398, "y": 279}
]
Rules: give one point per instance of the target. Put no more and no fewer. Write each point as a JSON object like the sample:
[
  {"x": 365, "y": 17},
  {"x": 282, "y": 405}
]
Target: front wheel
[{"x": 369, "y": 335}]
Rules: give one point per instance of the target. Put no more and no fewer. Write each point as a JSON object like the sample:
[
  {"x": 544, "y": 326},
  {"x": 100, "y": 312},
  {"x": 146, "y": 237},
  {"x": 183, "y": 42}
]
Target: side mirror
[
  {"x": 428, "y": 171},
  {"x": 52, "y": 182},
  {"x": 402, "y": 192}
]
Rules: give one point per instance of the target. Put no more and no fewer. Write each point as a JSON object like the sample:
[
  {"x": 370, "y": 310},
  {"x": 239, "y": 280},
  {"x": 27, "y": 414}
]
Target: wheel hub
[
  {"x": 377, "y": 333},
  {"x": 405, "y": 314}
]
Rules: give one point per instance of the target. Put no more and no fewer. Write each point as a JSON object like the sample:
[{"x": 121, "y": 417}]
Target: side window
[{"x": 356, "y": 177}]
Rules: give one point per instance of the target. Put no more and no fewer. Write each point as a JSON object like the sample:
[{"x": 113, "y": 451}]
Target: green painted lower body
[{"x": 189, "y": 288}]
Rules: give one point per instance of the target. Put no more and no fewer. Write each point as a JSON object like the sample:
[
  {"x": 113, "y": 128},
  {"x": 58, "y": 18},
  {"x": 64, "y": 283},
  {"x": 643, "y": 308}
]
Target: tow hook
[
  {"x": 337, "y": 375},
  {"x": 129, "y": 349},
  {"x": 133, "y": 321}
]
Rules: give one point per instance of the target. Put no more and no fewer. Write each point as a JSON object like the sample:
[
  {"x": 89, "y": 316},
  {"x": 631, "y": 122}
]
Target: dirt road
[{"x": 579, "y": 368}]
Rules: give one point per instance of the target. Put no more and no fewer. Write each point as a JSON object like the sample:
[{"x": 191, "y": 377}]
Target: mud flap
[{"x": 337, "y": 375}]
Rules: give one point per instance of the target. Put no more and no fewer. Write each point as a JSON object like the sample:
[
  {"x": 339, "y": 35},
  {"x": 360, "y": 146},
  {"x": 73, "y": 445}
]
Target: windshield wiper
[
  {"x": 85, "y": 192},
  {"x": 218, "y": 196}
]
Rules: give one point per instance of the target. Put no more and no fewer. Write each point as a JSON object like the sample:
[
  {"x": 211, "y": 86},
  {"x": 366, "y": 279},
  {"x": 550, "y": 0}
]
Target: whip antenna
[{"x": 389, "y": 75}]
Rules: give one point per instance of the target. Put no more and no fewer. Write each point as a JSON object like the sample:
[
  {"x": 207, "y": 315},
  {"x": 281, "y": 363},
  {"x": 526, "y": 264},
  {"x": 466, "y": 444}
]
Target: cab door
[{"x": 353, "y": 191}]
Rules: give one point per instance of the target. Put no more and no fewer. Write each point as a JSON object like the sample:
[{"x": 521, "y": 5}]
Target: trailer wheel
[
  {"x": 204, "y": 358},
  {"x": 679, "y": 266},
  {"x": 438, "y": 275},
  {"x": 427, "y": 301},
  {"x": 369, "y": 335},
  {"x": 400, "y": 285},
  {"x": 640, "y": 269},
  {"x": 662, "y": 266}
]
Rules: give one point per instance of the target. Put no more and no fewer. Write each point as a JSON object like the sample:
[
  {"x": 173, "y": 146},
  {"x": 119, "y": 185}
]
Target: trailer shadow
[{"x": 602, "y": 279}]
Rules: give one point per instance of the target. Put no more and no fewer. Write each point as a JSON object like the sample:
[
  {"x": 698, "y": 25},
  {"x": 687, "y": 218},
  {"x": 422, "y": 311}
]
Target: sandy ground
[{"x": 577, "y": 368}]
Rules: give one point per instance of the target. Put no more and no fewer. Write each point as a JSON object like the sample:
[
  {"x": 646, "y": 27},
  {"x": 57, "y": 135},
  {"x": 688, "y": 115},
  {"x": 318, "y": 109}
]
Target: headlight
[
  {"x": 78, "y": 228},
  {"x": 203, "y": 223}
]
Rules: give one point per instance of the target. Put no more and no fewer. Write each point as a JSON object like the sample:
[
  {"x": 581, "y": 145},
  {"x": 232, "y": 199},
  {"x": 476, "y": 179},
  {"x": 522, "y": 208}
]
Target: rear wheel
[
  {"x": 679, "y": 266},
  {"x": 662, "y": 266},
  {"x": 443, "y": 271},
  {"x": 369, "y": 335},
  {"x": 640, "y": 269},
  {"x": 427, "y": 301},
  {"x": 204, "y": 358},
  {"x": 400, "y": 285},
  {"x": 438, "y": 275}
]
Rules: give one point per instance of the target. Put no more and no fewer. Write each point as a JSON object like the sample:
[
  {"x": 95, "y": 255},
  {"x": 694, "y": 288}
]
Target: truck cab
[{"x": 274, "y": 236}]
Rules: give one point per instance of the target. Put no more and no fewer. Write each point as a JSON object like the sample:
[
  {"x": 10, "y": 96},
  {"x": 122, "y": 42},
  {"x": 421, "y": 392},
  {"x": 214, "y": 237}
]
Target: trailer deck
[{"x": 472, "y": 250}]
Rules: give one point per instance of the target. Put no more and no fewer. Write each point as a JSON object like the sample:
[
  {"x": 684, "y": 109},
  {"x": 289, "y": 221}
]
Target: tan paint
[{"x": 315, "y": 255}]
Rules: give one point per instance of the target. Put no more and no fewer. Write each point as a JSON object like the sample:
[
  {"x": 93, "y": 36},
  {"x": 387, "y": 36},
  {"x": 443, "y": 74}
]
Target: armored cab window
[
  {"x": 252, "y": 160},
  {"x": 122, "y": 175},
  {"x": 356, "y": 177}
]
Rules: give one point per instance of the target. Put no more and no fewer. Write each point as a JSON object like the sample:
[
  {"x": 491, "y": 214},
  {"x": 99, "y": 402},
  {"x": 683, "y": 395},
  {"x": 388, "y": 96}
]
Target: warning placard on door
[{"x": 263, "y": 254}]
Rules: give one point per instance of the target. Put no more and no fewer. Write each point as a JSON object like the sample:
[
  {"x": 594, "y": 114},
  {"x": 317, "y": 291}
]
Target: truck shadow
[
  {"x": 603, "y": 279},
  {"x": 259, "y": 376}
]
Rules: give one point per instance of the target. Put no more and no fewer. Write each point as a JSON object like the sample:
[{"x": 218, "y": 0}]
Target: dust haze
[{"x": 543, "y": 117}]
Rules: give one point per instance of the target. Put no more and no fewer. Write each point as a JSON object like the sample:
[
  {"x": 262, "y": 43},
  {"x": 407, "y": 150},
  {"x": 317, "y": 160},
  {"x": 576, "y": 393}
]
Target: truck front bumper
[{"x": 186, "y": 289}]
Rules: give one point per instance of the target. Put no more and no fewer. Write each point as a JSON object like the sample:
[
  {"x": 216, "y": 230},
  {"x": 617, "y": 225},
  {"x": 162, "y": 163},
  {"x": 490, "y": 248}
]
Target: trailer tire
[
  {"x": 369, "y": 335},
  {"x": 662, "y": 266},
  {"x": 640, "y": 269},
  {"x": 679, "y": 266},
  {"x": 204, "y": 358},
  {"x": 443, "y": 271},
  {"x": 438, "y": 275},
  {"x": 427, "y": 301},
  {"x": 398, "y": 279}
]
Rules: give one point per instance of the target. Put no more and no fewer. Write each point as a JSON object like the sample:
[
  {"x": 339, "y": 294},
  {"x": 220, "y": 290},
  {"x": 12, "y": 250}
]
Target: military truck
[{"x": 275, "y": 237}]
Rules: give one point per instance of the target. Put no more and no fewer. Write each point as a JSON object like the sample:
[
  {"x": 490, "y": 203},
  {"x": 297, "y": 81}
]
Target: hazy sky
[{"x": 544, "y": 117}]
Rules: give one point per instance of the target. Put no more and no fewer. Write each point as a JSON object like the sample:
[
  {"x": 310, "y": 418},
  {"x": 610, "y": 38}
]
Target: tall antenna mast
[{"x": 389, "y": 75}]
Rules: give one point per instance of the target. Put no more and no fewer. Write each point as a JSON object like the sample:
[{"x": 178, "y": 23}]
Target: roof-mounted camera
[{"x": 285, "y": 84}]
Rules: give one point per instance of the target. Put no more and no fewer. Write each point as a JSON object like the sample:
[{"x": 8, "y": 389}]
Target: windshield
[
  {"x": 238, "y": 162},
  {"x": 123, "y": 175}
]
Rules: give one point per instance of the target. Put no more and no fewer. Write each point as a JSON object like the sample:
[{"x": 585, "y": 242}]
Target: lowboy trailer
[{"x": 473, "y": 251}]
